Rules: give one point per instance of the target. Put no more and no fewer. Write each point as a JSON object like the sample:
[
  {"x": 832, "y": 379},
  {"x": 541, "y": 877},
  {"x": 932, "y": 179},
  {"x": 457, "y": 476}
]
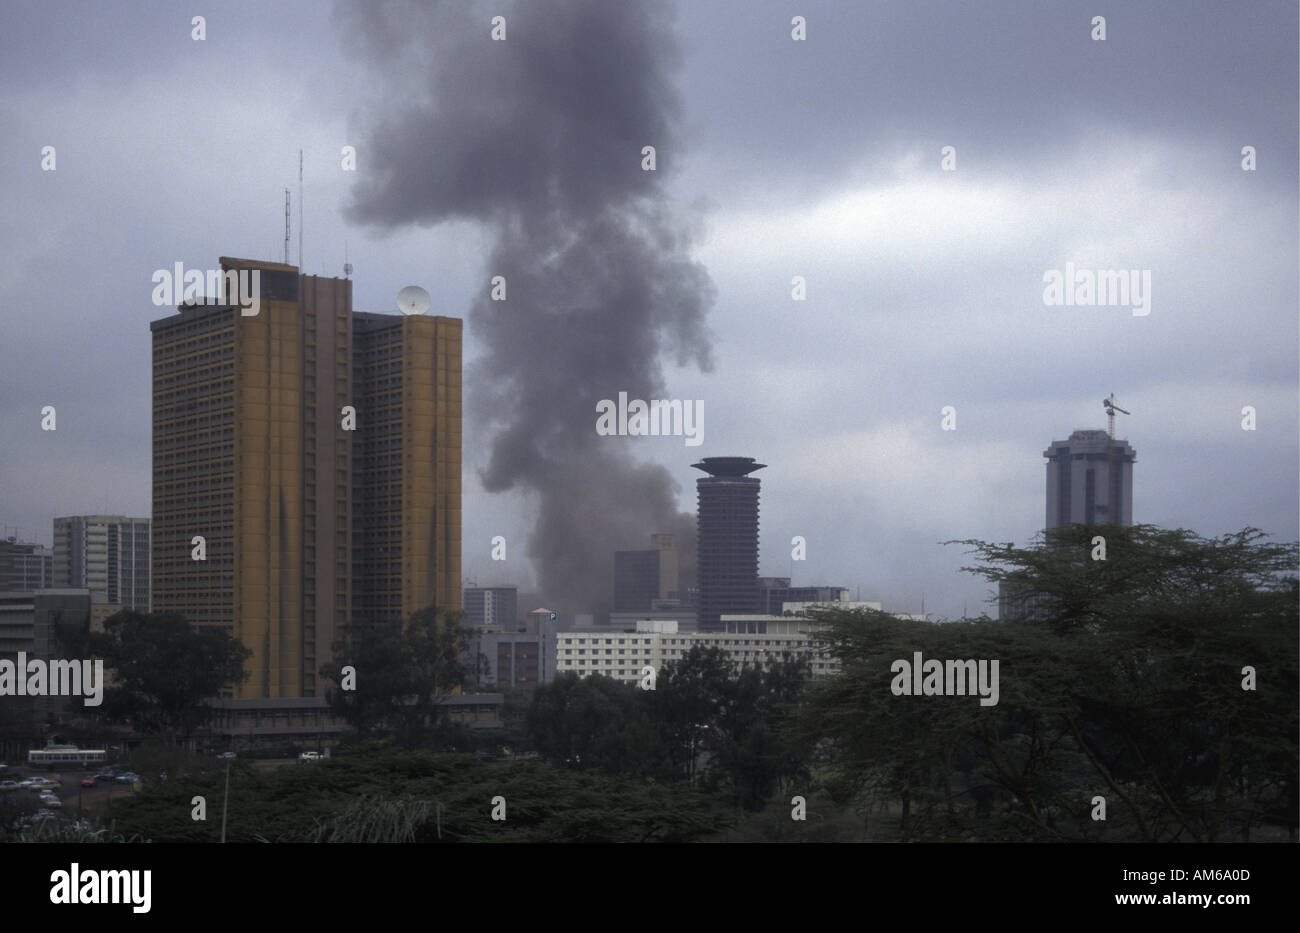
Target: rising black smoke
[{"x": 539, "y": 137}]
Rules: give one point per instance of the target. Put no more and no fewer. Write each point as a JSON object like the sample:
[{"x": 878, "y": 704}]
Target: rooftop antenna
[
  {"x": 347, "y": 266},
  {"x": 286, "y": 226},
  {"x": 299, "y": 210},
  {"x": 1111, "y": 408}
]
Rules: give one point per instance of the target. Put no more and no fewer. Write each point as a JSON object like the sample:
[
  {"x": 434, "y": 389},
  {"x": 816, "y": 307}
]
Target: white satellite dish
[{"x": 413, "y": 300}]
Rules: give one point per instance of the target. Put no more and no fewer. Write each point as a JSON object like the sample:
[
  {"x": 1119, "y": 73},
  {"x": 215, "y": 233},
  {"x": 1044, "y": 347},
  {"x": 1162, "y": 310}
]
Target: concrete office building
[
  {"x": 1089, "y": 480},
  {"x": 25, "y": 565},
  {"x": 521, "y": 660},
  {"x": 109, "y": 554},
  {"x": 317, "y": 453},
  {"x": 623, "y": 655},
  {"x": 728, "y": 539}
]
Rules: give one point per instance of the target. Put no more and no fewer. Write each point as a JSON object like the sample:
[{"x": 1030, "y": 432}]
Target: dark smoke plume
[{"x": 539, "y": 137}]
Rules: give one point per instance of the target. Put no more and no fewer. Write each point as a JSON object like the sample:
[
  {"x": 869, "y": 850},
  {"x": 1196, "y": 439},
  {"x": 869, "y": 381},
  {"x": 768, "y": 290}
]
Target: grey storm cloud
[{"x": 539, "y": 137}]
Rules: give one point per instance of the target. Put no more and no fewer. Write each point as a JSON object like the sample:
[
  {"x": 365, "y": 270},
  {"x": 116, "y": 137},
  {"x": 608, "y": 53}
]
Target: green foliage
[
  {"x": 401, "y": 671},
  {"x": 80, "y": 832},
  {"x": 702, "y": 722},
  {"x": 1127, "y": 686},
  {"x": 596, "y": 723},
  {"x": 375, "y": 819},
  {"x": 380, "y": 792},
  {"x": 163, "y": 668}
]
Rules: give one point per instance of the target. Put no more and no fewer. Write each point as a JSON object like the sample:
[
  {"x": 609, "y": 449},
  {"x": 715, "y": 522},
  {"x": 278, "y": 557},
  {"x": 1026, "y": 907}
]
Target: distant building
[
  {"x": 1021, "y": 605},
  {"x": 39, "y": 623},
  {"x": 25, "y": 565},
  {"x": 624, "y": 655},
  {"x": 1089, "y": 480},
  {"x": 491, "y": 606},
  {"x": 643, "y": 577},
  {"x": 624, "y": 621},
  {"x": 109, "y": 554},
  {"x": 728, "y": 538},
  {"x": 289, "y": 724},
  {"x": 520, "y": 660},
  {"x": 774, "y": 592}
]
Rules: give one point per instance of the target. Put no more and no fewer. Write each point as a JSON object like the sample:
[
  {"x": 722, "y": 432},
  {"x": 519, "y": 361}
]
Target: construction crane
[{"x": 1111, "y": 408}]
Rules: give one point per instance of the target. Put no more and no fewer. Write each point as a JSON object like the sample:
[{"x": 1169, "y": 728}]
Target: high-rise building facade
[
  {"x": 728, "y": 539},
  {"x": 1089, "y": 480},
  {"x": 316, "y": 453},
  {"x": 108, "y": 554},
  {"x": 406, "y": 463}
]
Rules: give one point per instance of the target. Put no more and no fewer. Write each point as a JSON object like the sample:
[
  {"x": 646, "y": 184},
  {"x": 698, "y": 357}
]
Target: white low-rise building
[{"x": 753, "y": 641}]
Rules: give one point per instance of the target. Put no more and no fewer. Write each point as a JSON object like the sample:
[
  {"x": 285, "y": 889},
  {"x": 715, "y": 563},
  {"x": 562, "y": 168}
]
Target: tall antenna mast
[
  {"x": 1111, "y": 408},
  {"x": 286, "y": 226},
  {"x": 299, "y": 210},
  {"x": 347, "y": 266}
]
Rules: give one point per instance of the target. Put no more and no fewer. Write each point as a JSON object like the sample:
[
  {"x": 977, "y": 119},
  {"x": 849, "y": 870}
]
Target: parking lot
[{"x": 63, "y": 795}]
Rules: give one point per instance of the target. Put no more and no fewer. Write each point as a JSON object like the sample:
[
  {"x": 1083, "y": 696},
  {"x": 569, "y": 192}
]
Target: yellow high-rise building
[{"x": 316, "y": 451}]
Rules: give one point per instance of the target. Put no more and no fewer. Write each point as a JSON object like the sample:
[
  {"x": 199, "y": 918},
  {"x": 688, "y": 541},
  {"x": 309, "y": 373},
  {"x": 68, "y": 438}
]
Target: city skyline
[{"x": 924, "y": 287}]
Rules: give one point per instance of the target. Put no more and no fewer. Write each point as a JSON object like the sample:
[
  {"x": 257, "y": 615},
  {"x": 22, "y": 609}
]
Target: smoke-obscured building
[
  {"x": 109, "y": 554},
  {"x": 642, "y": 578},
  {"x": 728, "y": 539},
  {"x": 490, "y": 607},
  {"x": 316, "y": 453}
]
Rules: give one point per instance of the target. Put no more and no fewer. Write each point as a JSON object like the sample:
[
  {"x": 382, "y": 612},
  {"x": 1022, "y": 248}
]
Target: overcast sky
[{"x": 818, "y": 158}]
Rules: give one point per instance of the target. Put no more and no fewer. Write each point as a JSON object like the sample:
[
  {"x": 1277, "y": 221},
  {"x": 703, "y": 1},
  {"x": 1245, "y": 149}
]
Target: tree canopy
[
  {"x": 399, "y": 671},
  {"x": 1162, "y": 679},
  {"x": 164, "y": 668}
]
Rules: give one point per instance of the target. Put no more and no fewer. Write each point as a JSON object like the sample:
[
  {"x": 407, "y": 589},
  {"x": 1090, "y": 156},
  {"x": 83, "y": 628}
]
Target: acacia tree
[
  {"x": 164, "y": 668},
  {"x": 1161, "y": 678}
]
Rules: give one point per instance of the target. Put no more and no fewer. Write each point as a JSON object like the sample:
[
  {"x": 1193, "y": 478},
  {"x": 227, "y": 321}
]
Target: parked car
[
  {"x": 40, "y": 784},
  {"x": 51, "y": 801},
  {"x": 227, "y": 755},
  {"x": 309, "y": 756},
  {"x": 8, "y": 785},
  {"x": 127, "y": 777},
  {"x": 88, "y": 782},
  {"x": 105, "y": 777}
]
